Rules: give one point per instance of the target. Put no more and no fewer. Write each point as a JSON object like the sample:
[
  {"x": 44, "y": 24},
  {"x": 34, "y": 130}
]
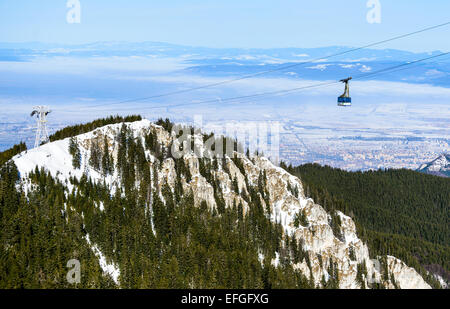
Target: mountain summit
[
  {"x": 156, "y": 220},
  {"x": 439, "y": 166}
]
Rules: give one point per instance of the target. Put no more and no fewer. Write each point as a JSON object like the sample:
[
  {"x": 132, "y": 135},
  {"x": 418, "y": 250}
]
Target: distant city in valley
[
  {"x": 359, "y": 149},
  {"x": 369, "y": 150}
]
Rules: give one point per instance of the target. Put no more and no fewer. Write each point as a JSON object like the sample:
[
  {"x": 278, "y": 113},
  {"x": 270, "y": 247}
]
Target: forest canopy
[{"x": 403, "y": 213}]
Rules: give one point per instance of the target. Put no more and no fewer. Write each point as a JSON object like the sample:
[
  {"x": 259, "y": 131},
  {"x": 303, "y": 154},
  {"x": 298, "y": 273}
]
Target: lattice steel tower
[{"x": 41, "y": 113}]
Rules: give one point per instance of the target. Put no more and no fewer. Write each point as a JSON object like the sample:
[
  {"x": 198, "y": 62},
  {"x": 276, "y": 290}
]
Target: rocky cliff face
[{"x": 329, "y": 240}]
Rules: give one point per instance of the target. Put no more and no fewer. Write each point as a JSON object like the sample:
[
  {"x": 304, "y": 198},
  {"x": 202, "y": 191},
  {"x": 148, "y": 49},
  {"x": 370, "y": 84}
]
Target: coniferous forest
[
  {"x": 398, "y": 212},
  {"x": 6, "y": 155},
  {"x": 86, "y": 127},
  {"x": 161, "y": 240},
  {"x": 157, "y": 241}
]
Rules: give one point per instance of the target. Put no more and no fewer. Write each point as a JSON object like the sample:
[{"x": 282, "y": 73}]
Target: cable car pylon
[{"x": 41, "y": 113}]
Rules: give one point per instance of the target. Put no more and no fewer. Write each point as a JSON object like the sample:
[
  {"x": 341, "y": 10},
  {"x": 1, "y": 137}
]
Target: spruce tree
[{"x": 74, "y": 150}]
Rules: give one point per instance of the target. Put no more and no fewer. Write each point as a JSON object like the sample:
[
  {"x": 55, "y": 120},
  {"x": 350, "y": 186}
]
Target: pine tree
[
  {"x": 107, "y": 160},
  {"x": 95, "y": 155},
  {"x": 235, "y": 185},
  {"x": 74, "y": 150}
]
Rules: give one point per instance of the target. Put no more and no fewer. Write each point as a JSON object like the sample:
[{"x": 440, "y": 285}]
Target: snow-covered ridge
[
  {"x": 286, "y": 198},
  {"x": 440, "y": 166},
  {"x": 56, "y": 159}
]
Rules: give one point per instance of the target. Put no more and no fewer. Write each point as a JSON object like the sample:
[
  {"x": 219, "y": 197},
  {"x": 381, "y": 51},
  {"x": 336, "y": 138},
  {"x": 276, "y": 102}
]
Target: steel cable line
[
  {"x": 396, "y": 68},
  {"x": 406, "y": 68},
  {"x": 400, "y": 67},
  {"x": 387, "y": 70},
  {"x": 273, "y": 70},
  {"x": 263, "y": 95},
  {"x": 239, "y": 98}
]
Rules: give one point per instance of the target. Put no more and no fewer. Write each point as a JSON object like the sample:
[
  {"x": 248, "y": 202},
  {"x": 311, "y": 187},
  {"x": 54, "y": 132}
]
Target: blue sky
[{"x": 227, "y": 23}]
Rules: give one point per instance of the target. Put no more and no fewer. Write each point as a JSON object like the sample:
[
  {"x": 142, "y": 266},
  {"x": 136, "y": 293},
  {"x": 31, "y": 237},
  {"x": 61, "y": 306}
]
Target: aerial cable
[
  {"x": 404, "y": 68},
  {"x": 387, "y": 70},
  {"x": 273, "y": 70},
  {"x": 239, "y": 98},
  {"x": 297, "y": 89},
  {"x": 263, "y": 95}
]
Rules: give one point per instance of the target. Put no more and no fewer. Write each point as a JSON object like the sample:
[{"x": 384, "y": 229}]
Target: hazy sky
[{"x": 228, "y": 23}]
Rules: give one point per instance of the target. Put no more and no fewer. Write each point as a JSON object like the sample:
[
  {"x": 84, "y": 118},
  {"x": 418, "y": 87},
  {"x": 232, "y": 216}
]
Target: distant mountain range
[
  {"x": 220, "y": 62},
  {"x": 248, "y": 54},
  {"x": 439, "y": 167}
]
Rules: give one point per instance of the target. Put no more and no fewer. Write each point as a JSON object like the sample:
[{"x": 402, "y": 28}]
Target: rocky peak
[
  {"x": 439, "y": 166},
  {"x": 329, "y": 240}
]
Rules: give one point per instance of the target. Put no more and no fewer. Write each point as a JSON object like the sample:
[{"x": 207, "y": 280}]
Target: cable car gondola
[{"x": 345, "y": 99}]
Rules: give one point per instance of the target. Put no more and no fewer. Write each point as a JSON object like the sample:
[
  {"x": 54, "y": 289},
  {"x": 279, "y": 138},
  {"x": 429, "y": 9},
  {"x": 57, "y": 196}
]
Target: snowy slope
[
  {"x": 317, "y": 237},
  {"x": 440, "y": 166},
  {"x": 110, "y": 269},
  {"x": 56, "y": 159}
]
